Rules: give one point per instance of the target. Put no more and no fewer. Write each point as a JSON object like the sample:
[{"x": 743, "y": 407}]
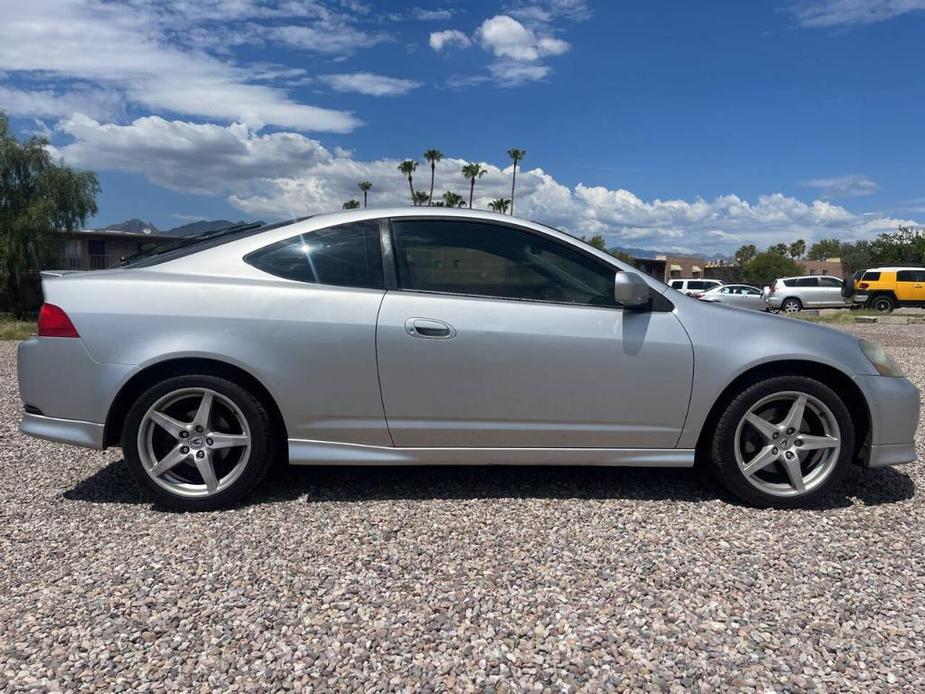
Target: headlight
[{"x": 880, "y": 359}]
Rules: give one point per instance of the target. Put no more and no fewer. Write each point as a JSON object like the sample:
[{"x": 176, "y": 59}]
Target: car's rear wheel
[
  {"x": 882, "y": 303},
  {"x": 783, "y": 442},
  {"x": 791, "y": 305},
  {"x": 198, "y": 442}
]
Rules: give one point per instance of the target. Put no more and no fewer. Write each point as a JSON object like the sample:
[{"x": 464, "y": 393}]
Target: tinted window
[
  {"x": 677, "y": 284},
  {"x": 910, "y": 276},
  {"x": 871, "y": 276},
  {"x": 697, "y": 285},
  {"x": 790, "y": 283},
  {"x": 808, "y": 282},
  {"x": 829, "y": 282},
  {"x": 348, "y": 255},
  {"x": 475, "y": 258}
]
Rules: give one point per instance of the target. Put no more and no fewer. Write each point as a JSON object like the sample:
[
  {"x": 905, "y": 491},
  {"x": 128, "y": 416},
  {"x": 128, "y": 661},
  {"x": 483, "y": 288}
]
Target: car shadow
[{"x": 323, "y": 484}]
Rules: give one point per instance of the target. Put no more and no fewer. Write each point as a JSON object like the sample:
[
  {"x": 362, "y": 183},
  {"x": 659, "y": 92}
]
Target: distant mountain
[
  {"x": 133, "y": 226},
  {"x": 637, "y": 252},
  {"x": 200, "y": 227}
]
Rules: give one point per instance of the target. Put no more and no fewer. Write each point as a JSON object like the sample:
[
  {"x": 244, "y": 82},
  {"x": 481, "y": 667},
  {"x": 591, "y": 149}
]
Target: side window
[
  {"x": 808, "y": 282},
  {"x": 829, "y": 282},
  {"x": 871, "y": 277},
  {"x": 751, "y": 291},
  {"x": 677, "y": 284},
  {"x": 493, "y": 260},
  {"x": 348, "y": 255},
  {"x": 910, "y": 276},
  {"x": 726, "y": 290},
  {"x": 696, "y": 285},
  {"x": 790, "y": 283}
]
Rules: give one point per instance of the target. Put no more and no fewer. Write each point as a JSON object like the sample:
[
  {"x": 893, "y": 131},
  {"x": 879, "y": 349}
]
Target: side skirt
[{"x": 302, "y": 452}]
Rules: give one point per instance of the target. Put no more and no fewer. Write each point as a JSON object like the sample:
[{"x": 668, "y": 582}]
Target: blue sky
[{"x": 692, "y": 126}]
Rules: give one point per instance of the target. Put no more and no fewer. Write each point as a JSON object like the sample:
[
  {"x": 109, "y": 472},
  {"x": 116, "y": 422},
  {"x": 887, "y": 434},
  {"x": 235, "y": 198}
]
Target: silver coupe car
[{"x": 436, "y": 336}]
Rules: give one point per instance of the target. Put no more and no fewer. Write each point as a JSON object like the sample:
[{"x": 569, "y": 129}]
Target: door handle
[{"x": 429, "y": 328}]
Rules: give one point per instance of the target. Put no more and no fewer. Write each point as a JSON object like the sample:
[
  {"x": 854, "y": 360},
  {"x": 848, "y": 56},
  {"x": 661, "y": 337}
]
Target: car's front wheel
[
  {"x": 783, "y": 442},
  {"x": 198, "y": 442}
]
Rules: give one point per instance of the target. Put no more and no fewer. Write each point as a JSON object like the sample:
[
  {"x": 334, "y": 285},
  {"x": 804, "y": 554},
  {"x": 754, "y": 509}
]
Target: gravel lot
[{"x": 487, "y": 578}]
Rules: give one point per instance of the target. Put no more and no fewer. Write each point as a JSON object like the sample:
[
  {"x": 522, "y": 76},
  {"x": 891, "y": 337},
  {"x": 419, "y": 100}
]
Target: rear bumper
[
  {"x": 894, "y": 413},
  {"x": 73, "y": 431},
  {"x": 859, "y": 298}
]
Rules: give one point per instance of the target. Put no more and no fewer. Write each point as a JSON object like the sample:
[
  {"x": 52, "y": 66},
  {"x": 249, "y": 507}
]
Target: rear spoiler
[{"x": 48, "y": 274}]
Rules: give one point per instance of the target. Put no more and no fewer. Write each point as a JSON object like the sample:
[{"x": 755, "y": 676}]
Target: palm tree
[
  {"x": 408, "y": 167},
  {"x": 451, "y": 199},
  {"x": 499, "y": 205},
  {"x": 364, "y": 186},
  {"x": 433, "y": 156},
  {"x": 419, "y": 197},
  {"x": 352, "y": 205},
  {"x": 472, "y": 172},
  {"x": 516, "y": 155},
  {"x": 797, "y": 248}
]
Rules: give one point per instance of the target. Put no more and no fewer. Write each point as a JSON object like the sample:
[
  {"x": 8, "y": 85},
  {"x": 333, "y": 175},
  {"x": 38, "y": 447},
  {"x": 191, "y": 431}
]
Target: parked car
[
  {"x": 886, "y": 288},
  {"x": 790, "y": 294},
  {"x": 741, "y": 295},
  {"x": 441, "y": 336},
  {"x": 694, "y": 287}
]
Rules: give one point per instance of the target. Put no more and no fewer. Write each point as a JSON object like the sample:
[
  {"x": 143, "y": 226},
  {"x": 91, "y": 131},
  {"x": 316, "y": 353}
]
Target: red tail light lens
[
  {"x": 863, "y": 285},
  {"x": 772, "y": 289},
  {"x": 53, "y": 322}
]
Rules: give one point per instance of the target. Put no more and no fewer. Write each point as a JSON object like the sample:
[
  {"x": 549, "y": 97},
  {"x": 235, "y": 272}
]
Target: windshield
[{"x": 188, "y": 245}]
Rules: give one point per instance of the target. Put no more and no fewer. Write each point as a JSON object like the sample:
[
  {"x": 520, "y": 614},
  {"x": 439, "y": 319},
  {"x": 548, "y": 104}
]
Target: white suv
[
  {"x": 694, "y": 287},
  {"x": 791, "y": 294}
]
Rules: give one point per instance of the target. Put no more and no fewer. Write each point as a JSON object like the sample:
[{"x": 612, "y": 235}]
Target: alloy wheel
[
  {"x": 194, "y": 442},
  {"x": 791, "y": 306},
  {"x": 787, "y": 444}
]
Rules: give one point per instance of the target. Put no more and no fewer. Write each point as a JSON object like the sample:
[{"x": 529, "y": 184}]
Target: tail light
[
  {"x": 773, "y": 288},
  {"x": 863, "y": 285},
  {"x": 53, "y": 322}
]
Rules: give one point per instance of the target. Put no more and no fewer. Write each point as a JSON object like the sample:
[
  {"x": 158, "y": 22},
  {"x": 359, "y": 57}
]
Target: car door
[
  {"x": 502, "y": 336},
  {"x": 910, "y": 285},
  {"x": 808, "y": 291},
  {"x": 751, "y": 298},
  {"x": 830, "y": 291}
]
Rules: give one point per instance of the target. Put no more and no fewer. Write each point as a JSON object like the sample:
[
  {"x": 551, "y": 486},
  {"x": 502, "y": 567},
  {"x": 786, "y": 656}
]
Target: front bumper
[
  {"x": 73, "y": 431},
  {"x": 894, "y": 416}
]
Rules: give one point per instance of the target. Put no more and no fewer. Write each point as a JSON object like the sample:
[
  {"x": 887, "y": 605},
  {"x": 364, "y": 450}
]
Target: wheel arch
[
  {"x": 791, "y": 298},
  {"x": 132, "y": 389},
  {"x": 837, "y": 380}
]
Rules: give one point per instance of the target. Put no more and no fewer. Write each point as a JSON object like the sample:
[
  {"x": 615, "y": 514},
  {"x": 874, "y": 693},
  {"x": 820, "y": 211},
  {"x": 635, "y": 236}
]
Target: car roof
[
  {"x": 800, "y": 277},
  {"x": 894, "y": 268}
]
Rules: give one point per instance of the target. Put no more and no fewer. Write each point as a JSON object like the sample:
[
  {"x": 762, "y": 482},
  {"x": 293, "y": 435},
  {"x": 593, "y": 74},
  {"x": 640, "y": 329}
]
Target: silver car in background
[
  {"x": 740, "y": 295},
  {"x": 436, "y": 336},
  {"x": 791, "y": 294}
]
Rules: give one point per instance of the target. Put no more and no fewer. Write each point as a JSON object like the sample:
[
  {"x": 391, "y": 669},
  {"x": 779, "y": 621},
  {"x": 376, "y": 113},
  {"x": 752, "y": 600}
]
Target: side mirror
[{"x": 630, "y": 290}]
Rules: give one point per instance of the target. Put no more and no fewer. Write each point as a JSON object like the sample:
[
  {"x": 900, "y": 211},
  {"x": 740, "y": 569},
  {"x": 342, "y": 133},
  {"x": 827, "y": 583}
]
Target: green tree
[
  {"x": 472, "y": 172},
  {"x": 451, "y": 199},
  {"x": 780, "y": 249},
  {"x": 352, "y": 205},
  {"x": 516, "y": 155},
  {"x": 420, "y": 198},
  {"x": 499, "y": 205},
  {"x": 433, "y": 156},
  {"x": 37, "y": 198},
  {"x": 901, "y": 247},
  {"x": 766, "y": 267},
  {"x": 408, "y": 167},
  {"x": 745, "y": 254},
  {"x": 364, "y": 186},
  {"x": 623, "y": 255},
  {"x": 797, "y": 248},
  {"x": 855, "y": 256},
  {"x": 824, "y": 248},
  {"x": 597, "y": 240}
]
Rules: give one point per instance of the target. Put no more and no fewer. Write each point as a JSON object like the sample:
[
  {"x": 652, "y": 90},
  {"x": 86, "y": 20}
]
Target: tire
[
  {"x": 738, "y": 444},
  {"x": 791, "y": 305},
  {"x": 882, "y": 303},
  {"x": 198, "y": 472}
]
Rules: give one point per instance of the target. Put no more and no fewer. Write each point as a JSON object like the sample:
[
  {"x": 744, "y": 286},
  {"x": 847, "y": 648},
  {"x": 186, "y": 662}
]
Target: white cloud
[
  {"x": 451, "y": 37},
  {"x": 323, "y": 37},
  {"x": 426, "y": 15},
  {"x": 851, "y": 185},
  {"x": 830, "y": 13},
  {"x": 510, "y": 73},
  {"x": 98, "y": 103},
  {"x": 137, "y": 50},
  {"x": 281, "y": 175},
  {"x": 507, "y": 38},
  {"x": 369, "y": 83}
]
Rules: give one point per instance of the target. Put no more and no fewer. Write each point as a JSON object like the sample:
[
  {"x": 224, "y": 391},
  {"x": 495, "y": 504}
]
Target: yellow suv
[{"x": 886, "y": 288}]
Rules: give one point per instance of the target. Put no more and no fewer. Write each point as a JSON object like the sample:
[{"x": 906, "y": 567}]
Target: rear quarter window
[
  {"x": 871, "y": 277},
  {"x": 790, "y": 283}
]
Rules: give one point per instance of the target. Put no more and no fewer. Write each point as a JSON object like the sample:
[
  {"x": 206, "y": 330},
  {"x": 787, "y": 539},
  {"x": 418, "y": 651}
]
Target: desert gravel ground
[{"x": 447, "y": 579}]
